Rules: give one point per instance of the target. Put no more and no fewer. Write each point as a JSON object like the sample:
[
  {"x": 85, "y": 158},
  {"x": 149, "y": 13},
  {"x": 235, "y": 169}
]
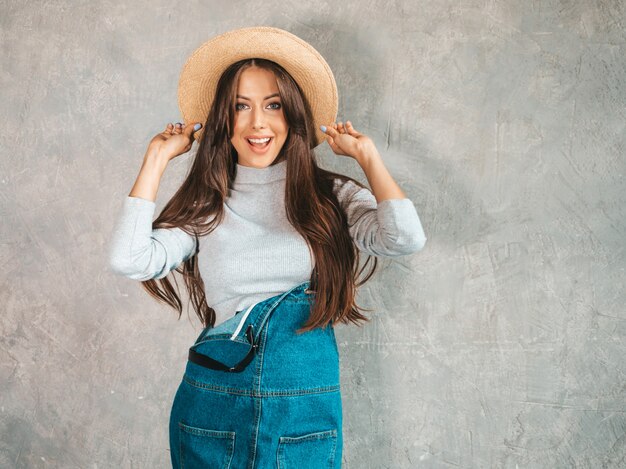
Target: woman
[{"x": 268, "y": 245}]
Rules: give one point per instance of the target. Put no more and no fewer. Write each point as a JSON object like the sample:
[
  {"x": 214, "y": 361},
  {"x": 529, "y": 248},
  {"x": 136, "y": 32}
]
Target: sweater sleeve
[
  {"x": 141, "y": 253},
  {"x": 390, "y": 228}
]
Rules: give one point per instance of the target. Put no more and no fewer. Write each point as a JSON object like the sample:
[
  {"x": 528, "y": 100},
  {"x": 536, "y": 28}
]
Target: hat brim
[{"x": 202, "y": 70}]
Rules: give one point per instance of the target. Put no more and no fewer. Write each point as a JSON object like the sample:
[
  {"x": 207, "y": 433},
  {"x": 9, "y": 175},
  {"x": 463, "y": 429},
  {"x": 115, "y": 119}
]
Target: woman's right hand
[{"x": 174, "y": 140}]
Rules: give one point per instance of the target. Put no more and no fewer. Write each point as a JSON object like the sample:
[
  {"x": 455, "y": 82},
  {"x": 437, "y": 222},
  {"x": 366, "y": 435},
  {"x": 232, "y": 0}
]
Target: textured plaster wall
[{"x": 500, "y": 345}]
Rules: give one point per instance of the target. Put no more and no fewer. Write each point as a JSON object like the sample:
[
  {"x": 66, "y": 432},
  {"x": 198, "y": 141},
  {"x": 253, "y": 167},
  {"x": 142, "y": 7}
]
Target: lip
[
  {"x": 259, "y": 136},
  {"x": 260, "y": 151}
]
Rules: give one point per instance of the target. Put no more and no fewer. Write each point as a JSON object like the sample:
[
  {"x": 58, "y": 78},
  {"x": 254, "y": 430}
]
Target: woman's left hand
[{"x": 346, "y": 141}]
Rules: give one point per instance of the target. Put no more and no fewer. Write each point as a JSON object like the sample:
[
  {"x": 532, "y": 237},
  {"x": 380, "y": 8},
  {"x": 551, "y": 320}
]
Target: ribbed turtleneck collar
[{"x": 251, "y": 175}]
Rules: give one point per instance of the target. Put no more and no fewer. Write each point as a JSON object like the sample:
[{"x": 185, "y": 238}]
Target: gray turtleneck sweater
[{"x": 255, "y": 253}]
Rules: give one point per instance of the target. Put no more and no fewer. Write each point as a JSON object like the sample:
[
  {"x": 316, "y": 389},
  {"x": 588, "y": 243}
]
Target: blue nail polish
[
  {"x": 197, "y": 126},
  {"x": 323, "y": 127}
]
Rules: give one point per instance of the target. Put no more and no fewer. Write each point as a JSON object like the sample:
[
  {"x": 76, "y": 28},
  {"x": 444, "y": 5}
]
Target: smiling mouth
[{"x": 259, "y": 143}]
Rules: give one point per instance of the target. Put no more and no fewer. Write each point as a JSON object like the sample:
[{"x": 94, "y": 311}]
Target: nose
[{"x": 258, "y": 119}]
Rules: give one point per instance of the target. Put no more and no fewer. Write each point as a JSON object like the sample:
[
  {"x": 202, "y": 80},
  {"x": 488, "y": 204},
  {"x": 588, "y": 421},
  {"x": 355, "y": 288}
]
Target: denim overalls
[{"x": 270, "y": 398}]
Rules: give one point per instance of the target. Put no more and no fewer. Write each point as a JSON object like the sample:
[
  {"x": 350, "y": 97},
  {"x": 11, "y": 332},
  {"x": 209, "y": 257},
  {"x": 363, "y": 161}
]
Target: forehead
[{"x": 256, "y": 81}]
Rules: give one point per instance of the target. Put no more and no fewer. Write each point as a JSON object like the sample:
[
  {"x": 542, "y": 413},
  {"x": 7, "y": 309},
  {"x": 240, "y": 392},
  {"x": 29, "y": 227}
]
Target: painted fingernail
[
  {"x": 197, "y": 126},
  {"x": 323, "y": 127}
]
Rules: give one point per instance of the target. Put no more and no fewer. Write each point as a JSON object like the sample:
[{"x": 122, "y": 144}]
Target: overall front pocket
[
  {"x": 310, "y": 451},
  {"x": 201, "y": 447}
]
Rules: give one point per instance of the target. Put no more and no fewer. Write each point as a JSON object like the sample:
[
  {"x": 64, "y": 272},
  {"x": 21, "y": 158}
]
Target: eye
[
  {"x": 277, "y": 103},
  {"x": 237, "y": 108}
]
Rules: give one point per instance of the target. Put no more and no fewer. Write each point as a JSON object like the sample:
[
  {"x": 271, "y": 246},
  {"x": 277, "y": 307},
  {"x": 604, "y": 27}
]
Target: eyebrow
[{"x": 267, "y": 97}]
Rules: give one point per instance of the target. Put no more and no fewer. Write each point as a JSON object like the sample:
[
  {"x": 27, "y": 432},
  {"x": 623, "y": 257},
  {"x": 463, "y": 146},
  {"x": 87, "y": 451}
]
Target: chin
[{"x": 259, "y": 161}]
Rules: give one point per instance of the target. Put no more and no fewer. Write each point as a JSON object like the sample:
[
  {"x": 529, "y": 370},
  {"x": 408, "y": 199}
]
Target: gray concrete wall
[{"x": 500, "y": 345}]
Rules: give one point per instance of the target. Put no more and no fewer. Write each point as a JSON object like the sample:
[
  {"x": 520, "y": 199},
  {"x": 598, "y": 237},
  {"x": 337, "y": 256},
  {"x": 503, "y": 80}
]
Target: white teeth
[{"x": 259, "y": 140}]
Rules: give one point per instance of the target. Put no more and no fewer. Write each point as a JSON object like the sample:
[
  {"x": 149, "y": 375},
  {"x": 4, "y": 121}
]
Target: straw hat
[{"x": 201, "y": 72}]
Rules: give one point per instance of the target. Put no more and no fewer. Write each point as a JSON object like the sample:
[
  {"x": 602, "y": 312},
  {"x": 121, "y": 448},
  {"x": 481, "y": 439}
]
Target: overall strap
[
  {"x": 260, "y": 321},
  {"x": 208, "y": 362}
]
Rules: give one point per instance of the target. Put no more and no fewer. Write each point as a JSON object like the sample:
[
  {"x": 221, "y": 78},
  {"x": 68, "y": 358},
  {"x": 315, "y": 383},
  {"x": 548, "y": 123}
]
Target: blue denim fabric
[{"x": 282, "y": 411}]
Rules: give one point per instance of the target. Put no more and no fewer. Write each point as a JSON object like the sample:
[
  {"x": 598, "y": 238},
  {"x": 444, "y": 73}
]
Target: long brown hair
[{"x": 311, "y": 206}]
